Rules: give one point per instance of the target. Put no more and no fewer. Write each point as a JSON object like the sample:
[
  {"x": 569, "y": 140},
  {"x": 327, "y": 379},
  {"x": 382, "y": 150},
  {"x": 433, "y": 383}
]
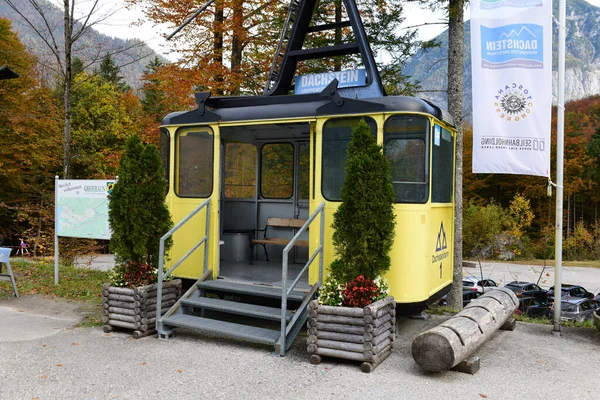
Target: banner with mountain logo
[{"x": 511, "y": 62}]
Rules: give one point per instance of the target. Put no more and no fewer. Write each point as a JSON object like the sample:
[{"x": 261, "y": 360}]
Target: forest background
[{"x": 229, "y": 52}]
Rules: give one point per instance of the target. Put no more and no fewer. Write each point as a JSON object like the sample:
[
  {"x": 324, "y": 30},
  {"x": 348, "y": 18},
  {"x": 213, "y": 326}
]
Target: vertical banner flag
[{"x": 511, "y": 61}]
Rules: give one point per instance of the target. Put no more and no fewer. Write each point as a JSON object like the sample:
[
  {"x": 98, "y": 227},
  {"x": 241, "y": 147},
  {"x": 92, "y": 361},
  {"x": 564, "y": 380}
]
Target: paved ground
[
  {"x": 43, "y": 356},
  {"x": 79, "y": 363}
]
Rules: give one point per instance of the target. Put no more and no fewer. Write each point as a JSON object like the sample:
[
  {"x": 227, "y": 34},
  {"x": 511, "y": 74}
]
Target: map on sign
[{"x": 82, "y": 208}]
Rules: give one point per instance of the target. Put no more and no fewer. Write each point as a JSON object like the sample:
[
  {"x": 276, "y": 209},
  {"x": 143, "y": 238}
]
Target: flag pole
[{"x": 560, "y": 138}]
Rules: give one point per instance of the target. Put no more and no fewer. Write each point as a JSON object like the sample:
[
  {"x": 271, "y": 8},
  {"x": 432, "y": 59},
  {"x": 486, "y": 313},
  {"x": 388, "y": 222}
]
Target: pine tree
[
  {"x": 111, "y": 72},
  {"x": 154, "y": 96},
  {"x": 364, "y": 222},
  {"x": 138, "y": 214}
]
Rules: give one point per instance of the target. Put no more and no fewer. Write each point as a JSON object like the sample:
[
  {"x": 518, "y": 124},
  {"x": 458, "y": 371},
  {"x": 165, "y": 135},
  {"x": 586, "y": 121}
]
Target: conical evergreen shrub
[
  {"x": 138, "y": 214},
  {"x": 364, "y": 222}
]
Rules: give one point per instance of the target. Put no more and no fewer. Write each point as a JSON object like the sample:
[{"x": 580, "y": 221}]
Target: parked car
[
  {"x": 534, "y": 307},
  {"x": 468, "y": 295},
  {"x": 526, "y": 289},
  {"x": 571, "y": 291},
  {"x": 576, "y": 309},
  {"x": 481, "y": 285}
]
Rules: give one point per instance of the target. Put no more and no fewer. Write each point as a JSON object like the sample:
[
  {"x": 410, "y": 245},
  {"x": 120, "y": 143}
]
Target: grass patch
[{"x": 37, "y": 277}]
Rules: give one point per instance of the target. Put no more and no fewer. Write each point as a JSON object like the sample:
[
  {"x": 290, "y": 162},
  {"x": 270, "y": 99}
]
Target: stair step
[
  {"x": 232, "y": 307},
  {"x": 254, "y": 290},
  {"x": 228, "y": 329}
]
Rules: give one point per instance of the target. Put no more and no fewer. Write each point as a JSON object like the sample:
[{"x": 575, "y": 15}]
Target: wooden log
[
  {"x": 369, "y": 366},
  {"x": 509, "y": 325},
  {"x": 469, "y": 366},
  {"x": 141, "y": 334},
  {"x": 347, "y": 355},
  {"x": 338, "y": 319},
  {"x": 340, "y": 328},
  {"x": 345, "y": 337},
  {"x": 315, "y": 359},
  {"x": 373, "y": 351},
  {"x": 119, "y": 310},
  {"x": 152, "y": 306},
  {"x": 148, "y": 321},
  {"x": 152, "y": 300},
  {"x": 120, "y": 297},
  {"x": 344, "y": 311},
  {"x": 107, "y": 328},
  {"x": 446, "y": 345},
  {"x": 122, "y": 324},
  {"x": 151, "y": 294},
  {"x": 372, "y": 309},
  {"x": 381, "y": 337},
  {"x": 312, "y": 348},
  {"x": 387, "y": 327},
  {"x": 122, "y": 304},
  {"x": 121, "y": 317},
  {"x": 377, "y": 322},
  {"x": 120, "y": 290},
  {"x": 345, "y": 346},
  {"x": 313, "y": 304}
]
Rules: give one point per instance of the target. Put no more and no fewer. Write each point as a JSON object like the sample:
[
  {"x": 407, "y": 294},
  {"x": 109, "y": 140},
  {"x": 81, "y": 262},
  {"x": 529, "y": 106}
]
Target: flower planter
[
  {"x": 135, "y": 308},
  {"x": 359, "y": 334},
  {"x": 596, "y": 315}
]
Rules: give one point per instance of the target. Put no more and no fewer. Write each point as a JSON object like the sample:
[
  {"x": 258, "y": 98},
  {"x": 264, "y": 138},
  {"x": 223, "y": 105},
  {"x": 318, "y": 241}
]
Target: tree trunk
[
  {"x": 237, "y": 44},
  {"x": 218, "y": 45},
  {"x": 455, "y": 88},
  {"x": 68, "y": 26}
]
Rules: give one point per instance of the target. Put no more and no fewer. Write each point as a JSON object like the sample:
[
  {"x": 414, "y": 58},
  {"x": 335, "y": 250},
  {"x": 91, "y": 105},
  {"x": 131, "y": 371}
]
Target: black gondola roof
[{"x": 255, "y": 108}]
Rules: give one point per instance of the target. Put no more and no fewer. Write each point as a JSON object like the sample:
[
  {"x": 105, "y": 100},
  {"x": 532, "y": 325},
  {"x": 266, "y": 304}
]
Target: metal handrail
[
  {"x": 161, "y": 255},
  {"x": 285, "y": 291}
]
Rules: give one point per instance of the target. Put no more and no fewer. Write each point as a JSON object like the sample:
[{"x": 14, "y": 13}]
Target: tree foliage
[
  {"x": 137, "y": 211},
  {"x": 364, "y": 222},
  {"x": 229, "y": 48},
  {"x": 30, "y": 151}
]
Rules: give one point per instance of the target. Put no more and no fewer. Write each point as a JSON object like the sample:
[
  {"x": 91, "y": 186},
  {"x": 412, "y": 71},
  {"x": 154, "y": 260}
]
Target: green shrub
[
  {"x": 137, "y": 213},
  {"x": 364, "y": 222}
]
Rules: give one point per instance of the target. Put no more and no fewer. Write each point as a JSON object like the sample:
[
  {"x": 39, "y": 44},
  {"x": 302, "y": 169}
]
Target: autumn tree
[
  {"x": 103, "y": 117},
  {"x": 230, "y": 47},
  {"x": 79, "y": 17},
  {"x": 30, "y": 151}
]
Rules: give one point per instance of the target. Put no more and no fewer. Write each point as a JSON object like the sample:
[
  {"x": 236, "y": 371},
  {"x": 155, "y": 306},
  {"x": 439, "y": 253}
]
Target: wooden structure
[
  {"x": 352, "y": 333},
  {"x": 293, "y": 223},
  {"x": 452, "y": 342},
  {"x": 135, "y": 308}
]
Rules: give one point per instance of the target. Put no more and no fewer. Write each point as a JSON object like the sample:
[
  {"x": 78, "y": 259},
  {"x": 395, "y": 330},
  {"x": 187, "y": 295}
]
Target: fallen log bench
[{"x": 455, "y": 340}]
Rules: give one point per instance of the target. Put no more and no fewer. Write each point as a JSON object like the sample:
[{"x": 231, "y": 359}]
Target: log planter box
[
  {"x": 358, "y": 334},
  {"x": 135, "y": 308}
]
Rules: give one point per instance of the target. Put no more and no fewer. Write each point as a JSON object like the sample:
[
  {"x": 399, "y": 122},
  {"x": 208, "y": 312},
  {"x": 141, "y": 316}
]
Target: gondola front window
[
  {"x": 406, "y": 143},
  {"x": 336, "y": 137},
  {"x": 195, "y": 156},
  {"x": 165, "y": 153}
]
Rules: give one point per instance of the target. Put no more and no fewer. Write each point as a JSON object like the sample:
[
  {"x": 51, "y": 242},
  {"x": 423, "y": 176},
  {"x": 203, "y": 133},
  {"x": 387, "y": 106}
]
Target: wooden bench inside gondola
[{"x": 292, "y": 223}]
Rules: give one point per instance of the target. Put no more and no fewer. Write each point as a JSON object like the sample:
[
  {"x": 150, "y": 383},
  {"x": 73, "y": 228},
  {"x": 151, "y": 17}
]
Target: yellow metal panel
[{"x": 195, "y": 229}]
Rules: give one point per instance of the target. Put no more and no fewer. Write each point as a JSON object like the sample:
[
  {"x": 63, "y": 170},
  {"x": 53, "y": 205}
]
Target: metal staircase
[{"x": 260, "y": 314}]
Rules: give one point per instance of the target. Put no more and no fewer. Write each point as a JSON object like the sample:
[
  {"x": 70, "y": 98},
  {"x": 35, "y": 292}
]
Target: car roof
[
  {"x": 574, "y": 300},
  {"x": 518, "y": 283},
  {"x": 566, "y": 286}
]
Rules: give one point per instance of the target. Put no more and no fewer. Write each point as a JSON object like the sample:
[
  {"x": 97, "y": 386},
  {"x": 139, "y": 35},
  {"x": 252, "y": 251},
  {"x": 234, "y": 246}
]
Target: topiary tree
[
  {"x": 137, "y": 213},
  {"x": 364, "y": 222}
]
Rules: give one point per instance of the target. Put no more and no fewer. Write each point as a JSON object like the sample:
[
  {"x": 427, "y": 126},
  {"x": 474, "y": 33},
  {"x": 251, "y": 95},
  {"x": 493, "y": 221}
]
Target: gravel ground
[{"x": 78, "y": 363}]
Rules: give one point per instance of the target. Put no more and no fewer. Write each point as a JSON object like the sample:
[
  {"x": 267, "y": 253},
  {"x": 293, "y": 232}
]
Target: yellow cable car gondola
[{"x": 265, "y": 161}]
